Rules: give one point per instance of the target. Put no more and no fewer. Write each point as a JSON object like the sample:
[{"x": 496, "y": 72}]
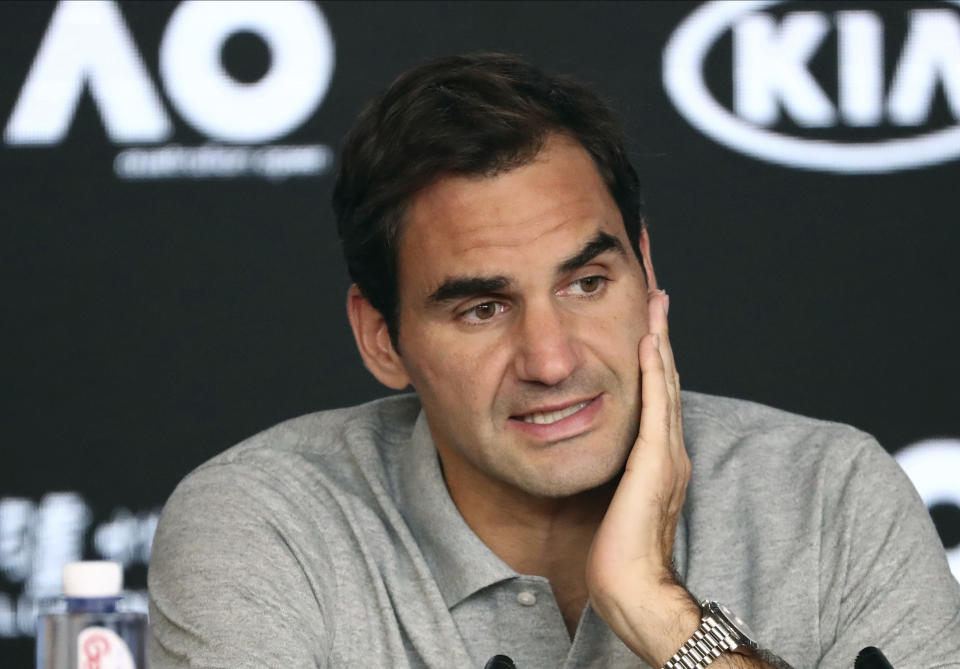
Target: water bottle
[{"x": 91, "y": 627}]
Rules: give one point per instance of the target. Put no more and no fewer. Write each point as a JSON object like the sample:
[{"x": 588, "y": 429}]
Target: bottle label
[{"x": 101, "y": 648}]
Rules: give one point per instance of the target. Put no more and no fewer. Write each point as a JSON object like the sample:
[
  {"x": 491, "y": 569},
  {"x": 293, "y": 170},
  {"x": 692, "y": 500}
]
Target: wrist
[
  {"x": 653, "y": 621},
  {"x": 720, "y": 632}
]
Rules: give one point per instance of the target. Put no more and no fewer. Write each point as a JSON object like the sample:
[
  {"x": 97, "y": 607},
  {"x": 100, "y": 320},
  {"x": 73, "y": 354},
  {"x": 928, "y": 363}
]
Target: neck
[
  {"x": 535, "y": 535},
  {"x": 542, "y": 536}
]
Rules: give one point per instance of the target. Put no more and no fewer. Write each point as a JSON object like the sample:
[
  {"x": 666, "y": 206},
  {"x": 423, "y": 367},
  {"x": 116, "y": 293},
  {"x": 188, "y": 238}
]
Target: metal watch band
[{"x": 708, "y": 642}]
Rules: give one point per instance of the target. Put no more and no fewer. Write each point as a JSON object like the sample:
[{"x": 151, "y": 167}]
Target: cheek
[
  {"x": 624, "y": 320},
  {"x": 616, "y": 333},
  {"x": 454, "y": 371},
  {"x": 636, "y": 312}
]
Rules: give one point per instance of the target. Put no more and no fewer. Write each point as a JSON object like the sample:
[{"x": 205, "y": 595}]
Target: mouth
[
  {"x": 550, "y": 417},
  {"x": 555, "y": 423}
]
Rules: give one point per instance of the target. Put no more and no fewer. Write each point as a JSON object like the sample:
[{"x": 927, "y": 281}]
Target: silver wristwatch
[{"x": 720, "y": 632}]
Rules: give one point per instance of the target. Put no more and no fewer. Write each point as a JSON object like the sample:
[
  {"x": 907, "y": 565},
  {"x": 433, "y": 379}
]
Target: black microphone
[
  {"x": 871, "y": 658},
  {"x": 499, "y": 662}
]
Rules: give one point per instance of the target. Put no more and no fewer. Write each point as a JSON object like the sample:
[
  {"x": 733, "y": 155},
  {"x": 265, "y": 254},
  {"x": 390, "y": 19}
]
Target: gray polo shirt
[{"x": 331, "y": 541}]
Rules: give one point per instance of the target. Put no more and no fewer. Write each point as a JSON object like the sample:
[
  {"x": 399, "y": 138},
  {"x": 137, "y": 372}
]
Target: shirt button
[{"x": 526, "y": 598}]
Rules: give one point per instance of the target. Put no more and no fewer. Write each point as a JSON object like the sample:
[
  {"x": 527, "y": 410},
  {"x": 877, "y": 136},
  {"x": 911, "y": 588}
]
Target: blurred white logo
[
  {"x": 933, "y": 465},
  {"x": 37, "y": 539},
  {"x": 771, "y": 75},
  {"x": 302, "y": 62},
  {"x": 88, "y": 46}
]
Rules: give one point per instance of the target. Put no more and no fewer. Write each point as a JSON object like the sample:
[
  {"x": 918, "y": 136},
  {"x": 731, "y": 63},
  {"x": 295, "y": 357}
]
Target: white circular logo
[
  {"x": 770, "y": 76},
  {"x": 301, "y": 49},
  {"x": 933, "y": 465}
]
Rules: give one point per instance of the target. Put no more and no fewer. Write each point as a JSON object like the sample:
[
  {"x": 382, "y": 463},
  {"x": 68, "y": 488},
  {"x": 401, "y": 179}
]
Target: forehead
[{"x": 476, "y": 225}]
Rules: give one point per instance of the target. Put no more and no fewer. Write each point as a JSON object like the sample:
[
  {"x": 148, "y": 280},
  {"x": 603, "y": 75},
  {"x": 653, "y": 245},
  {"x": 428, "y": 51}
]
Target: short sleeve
[
  {"x": 227, "y": 587},
  {"x": 885, "y": 581}
]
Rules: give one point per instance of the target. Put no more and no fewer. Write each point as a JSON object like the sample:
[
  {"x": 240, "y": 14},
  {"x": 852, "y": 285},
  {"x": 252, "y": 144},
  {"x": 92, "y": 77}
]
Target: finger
[
  {"x": 654, "y": 473},
  {"x": 658, "y": 307},
  {"x": 655, "y": 401}
]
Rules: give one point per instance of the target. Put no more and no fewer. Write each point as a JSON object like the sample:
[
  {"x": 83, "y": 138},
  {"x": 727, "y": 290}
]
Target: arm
[{"x": 631, "y": 584}]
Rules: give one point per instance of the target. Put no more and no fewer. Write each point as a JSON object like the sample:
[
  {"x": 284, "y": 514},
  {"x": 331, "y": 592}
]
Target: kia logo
[{"x": 771, "y": 79}]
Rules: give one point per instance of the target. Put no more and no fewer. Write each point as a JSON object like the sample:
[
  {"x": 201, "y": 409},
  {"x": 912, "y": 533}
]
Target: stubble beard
[
  {"x": 602, "y": 463},
  {"x": 600, "y": 466}
]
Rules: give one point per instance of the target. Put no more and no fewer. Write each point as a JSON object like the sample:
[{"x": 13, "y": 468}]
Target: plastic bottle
[{"x": 91, "y": 627}]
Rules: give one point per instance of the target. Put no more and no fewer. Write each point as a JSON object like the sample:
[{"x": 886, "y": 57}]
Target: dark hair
[{"x": 476, "y": 114}]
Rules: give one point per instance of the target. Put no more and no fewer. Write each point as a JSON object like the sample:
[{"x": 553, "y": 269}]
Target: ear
[
  {"x": 373, "y": 341},
  {"x": 647, "y": 259}
]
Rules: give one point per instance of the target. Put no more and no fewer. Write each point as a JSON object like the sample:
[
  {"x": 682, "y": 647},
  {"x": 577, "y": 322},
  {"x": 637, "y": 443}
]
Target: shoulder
[
  {"x": 811, "y": 521},
  {"x": 261, "y": 501},
  {"x": 263, "y": 531},
  {"x": 712, "y": 414},
  {"x": 321, "y": 442},
  {"x": 722, "y": 431},
  {"x": 326, "y": 433},
  {"x": 756, "y": 454},
  {"x": 294, "y": 471}
]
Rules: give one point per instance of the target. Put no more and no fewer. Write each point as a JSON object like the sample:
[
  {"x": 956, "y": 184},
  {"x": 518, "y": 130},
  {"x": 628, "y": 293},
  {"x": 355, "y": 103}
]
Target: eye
[
  {"x": 588, "y": 285},
  {"x": 483, "y": 312}
]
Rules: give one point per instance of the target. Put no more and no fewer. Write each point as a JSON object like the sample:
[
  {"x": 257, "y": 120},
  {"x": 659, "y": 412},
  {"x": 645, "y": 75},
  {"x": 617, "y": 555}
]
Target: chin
[{"x": 570, "y": 483}]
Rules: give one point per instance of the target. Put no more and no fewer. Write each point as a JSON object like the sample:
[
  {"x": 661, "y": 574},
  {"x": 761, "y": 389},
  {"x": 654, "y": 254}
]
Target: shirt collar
[{"x": 461, "y": 563}]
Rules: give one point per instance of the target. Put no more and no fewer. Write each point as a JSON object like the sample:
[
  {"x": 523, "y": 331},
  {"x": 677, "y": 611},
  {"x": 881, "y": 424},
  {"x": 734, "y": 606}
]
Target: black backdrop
[{"x": 149, "y": 322}]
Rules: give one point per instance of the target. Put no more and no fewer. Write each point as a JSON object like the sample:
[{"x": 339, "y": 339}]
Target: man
[{"x": 542, "y": 496}]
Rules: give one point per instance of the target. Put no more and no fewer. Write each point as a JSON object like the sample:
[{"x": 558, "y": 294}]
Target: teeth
[{"x": 548, "y": 417}]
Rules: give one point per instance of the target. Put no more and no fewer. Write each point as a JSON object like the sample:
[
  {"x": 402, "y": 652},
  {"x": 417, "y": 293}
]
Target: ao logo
[
  {"x": 770, "y": 73},
  {"x": 933, "y": 465},
  {"x": 88, "y": 45}
]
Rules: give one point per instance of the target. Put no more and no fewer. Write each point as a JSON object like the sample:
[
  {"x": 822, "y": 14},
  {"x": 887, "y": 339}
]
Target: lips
[
  {"x": 558, "y": 422},
  {"x": 549, "y": 417}
]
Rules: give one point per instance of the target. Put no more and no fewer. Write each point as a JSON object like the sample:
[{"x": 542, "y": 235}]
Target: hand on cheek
[{"x": 629, "y": 574}]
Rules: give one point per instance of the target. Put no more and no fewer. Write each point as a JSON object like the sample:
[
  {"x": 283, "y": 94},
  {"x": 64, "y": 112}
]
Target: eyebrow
[
  {"x": 601, "y": 243},
  {"x": 458, "y": 287}
]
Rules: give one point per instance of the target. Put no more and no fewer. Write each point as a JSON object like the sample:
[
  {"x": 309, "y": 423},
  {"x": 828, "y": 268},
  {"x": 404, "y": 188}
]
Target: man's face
[{"x": 522, "y": 305}]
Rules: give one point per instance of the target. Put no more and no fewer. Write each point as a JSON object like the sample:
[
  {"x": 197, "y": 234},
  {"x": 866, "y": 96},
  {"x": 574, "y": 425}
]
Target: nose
[{"x": 546, "y": 351}]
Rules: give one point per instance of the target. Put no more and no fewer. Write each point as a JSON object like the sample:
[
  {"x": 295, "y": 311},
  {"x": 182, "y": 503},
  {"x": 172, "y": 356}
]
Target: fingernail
[
  {"x": 666, "y": 303},
  {"x": 656, "y": 341}
]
